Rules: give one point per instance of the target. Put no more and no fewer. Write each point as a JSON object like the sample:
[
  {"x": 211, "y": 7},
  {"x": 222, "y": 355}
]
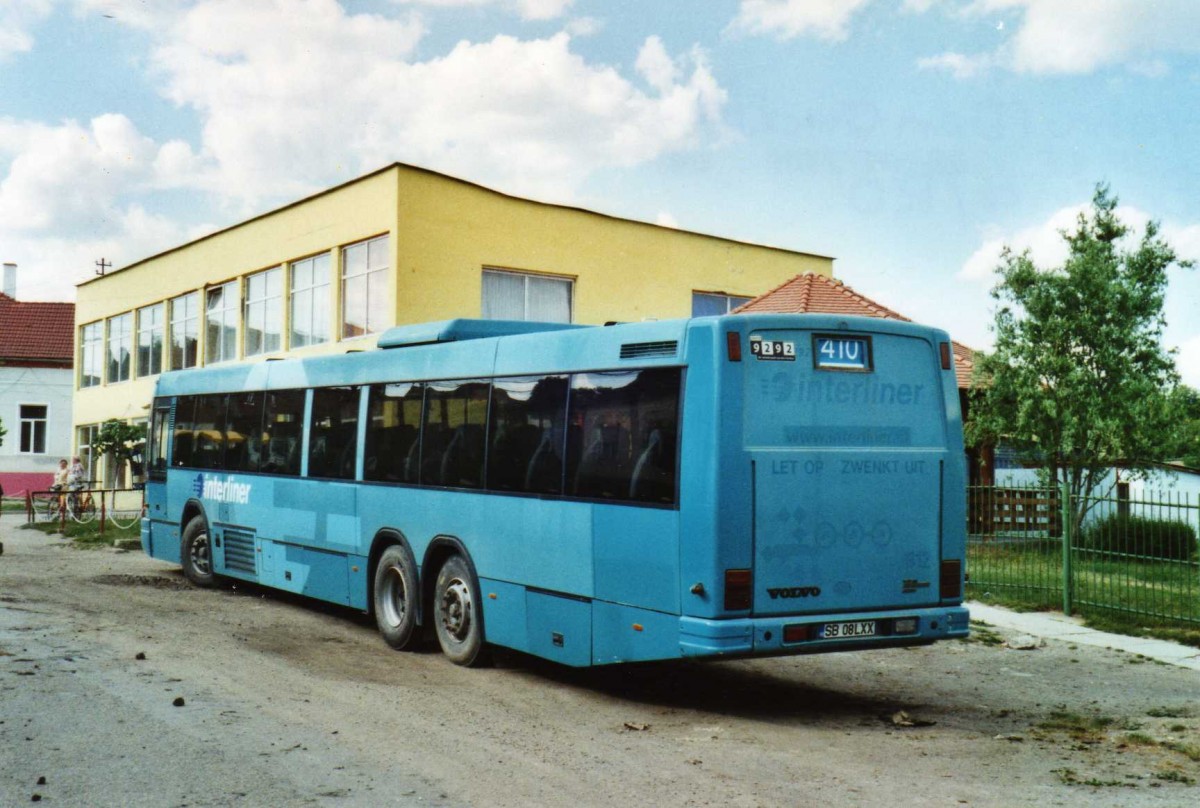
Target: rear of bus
[{"x": 836, "y": 513}]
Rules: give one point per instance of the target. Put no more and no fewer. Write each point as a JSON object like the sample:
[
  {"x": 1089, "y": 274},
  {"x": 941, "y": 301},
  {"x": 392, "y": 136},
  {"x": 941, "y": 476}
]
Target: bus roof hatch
[{"x": 403, "y": 336}]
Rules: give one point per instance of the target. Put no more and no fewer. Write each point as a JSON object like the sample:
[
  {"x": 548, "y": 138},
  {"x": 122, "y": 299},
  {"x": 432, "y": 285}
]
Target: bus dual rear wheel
[{"x": 457, "y": 614}]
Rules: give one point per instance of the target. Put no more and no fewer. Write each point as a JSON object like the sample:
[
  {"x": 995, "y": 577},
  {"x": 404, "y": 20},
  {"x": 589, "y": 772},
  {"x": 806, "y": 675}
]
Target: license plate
[{"x": 845, "y": 631}]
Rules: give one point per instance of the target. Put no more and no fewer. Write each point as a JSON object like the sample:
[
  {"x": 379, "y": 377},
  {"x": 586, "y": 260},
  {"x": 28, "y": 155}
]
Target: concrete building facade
[{"x": 400, "y": 245}]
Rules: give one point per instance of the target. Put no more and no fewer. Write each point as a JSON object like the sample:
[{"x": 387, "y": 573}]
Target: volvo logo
[{"x": 795, "y": 592}]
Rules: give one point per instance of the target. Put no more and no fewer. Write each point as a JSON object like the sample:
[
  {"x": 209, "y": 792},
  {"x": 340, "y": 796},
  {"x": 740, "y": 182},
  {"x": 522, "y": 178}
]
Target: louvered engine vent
[
  {"x": 239, "y": 550},
  {"x": 643, "y": 350}
]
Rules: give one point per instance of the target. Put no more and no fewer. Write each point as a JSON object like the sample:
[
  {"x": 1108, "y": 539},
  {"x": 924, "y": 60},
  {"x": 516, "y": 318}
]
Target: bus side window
[
  {"x": 208, "y": 432},
  {"x": 393, "y": 426},
  {"x": 526, "y": 434},
  {"x": 333, "y": 433},
  {"x": 623, "y": 436},
  {"x": 283, "y": 419},
  {"x": 453, "y": 433},
  {"x": 243, "y": 447},
  {"x": 181, "y": 454}
]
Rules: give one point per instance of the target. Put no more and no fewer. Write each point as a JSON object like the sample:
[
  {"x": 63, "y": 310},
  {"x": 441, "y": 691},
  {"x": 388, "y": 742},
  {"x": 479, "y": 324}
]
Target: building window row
[{"x": 134, "y": 344}]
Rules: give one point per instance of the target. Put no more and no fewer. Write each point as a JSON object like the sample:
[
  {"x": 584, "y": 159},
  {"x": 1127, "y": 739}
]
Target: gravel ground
[{"x": 120, "y": 684}]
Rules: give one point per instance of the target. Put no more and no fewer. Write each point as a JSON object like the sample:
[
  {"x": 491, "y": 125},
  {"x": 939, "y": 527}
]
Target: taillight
[
  {"x": 945, "y": 351},
  {"x": 797, "y": 633},
  {"x": 951, "y": 583},
  {"x": 733, "y": 344},
  {"x": 737, "y": 590}
]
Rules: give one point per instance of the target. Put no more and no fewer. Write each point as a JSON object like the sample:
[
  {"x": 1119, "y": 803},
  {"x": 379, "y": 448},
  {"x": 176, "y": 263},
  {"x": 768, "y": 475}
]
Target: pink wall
[{"x": 16, "y": 483}]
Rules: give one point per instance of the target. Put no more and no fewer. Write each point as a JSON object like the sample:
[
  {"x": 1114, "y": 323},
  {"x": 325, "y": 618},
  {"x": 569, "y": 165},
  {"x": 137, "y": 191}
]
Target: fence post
[{"x": 1064, "y": 496}]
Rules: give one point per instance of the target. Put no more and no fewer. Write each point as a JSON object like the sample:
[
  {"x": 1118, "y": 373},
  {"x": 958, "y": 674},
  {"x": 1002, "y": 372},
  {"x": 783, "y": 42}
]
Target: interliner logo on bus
[{"x": 219, "y": 490}]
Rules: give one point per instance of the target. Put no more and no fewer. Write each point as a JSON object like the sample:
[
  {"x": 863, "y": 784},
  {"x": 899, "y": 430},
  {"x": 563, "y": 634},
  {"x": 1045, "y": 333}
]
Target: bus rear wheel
[
  {"x": 195, "y": 553},
  {"x": 395, "y": 597},
  {"x": 458, "y": 614}
]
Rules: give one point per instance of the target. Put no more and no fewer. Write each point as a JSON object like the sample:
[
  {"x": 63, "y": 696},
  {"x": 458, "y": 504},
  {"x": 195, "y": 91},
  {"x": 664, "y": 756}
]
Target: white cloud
[
  {"x": 1081, "y": 36},
  {"x": 17, "y": 17},
  {"x": 531, "y": 116},
  {"x": 666, "y": 219},
  {"x": 68, "y": 198},
  {"x": 67, "y": 178},
  {"x": 957, "y": 64},
  {"x": 787, "y": 19},
  {"x": 526, "y": 9}
]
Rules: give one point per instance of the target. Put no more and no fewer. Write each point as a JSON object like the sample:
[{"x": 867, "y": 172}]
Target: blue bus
[{"x": 737, "y": 486}]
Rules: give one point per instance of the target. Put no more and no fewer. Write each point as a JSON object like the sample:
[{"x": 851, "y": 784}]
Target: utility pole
[{"x": 102, "y": 265}]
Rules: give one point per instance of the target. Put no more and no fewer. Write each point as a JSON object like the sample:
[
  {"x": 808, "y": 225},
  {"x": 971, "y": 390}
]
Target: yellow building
[{"x": 400, "y": 245}]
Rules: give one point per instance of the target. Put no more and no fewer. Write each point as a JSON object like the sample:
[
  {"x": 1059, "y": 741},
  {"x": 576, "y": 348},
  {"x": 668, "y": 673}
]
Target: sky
[{"x": 909, "y": 139}]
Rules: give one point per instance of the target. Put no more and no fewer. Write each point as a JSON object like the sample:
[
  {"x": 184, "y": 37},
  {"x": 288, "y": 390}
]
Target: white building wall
[{"x": 49, "y": 387}]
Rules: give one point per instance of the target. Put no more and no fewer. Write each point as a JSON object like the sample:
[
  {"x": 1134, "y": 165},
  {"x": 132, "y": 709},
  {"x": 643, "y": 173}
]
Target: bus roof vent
[
  {"x": 462, "y": 329},
  {"x": 646, "y": 350}
]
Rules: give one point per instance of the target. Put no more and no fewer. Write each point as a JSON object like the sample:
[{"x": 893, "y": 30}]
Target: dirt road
[{"x": 246, "y": 697}]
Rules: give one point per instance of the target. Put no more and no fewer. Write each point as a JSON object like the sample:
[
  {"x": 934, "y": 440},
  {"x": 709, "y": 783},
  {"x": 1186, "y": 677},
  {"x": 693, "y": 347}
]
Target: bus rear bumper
[{"x": 802, "y": 634}]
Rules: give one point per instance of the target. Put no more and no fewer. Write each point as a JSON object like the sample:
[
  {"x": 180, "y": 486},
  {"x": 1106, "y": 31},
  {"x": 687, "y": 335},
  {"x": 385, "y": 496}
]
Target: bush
[{"x": 1142, "y": 536}]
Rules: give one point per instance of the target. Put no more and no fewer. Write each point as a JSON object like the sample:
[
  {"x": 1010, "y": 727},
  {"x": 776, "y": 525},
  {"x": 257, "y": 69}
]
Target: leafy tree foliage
[
  {"x": 1185, "y": 448},
  {"x": 120, "y": 439},
  {"x": 3, "y": 432},
  {"x": 1079, "y": 380}
]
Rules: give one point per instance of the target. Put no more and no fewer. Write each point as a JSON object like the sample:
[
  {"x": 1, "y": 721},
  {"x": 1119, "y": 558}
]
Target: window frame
[
  {"x": 727, "y": 298},
  {"x": 91, "y": 354},
  {"x": 190, "y": 322},
  {"x": 124, "y": 321},
  {"x": 368, "y": 274},
  {"x": 230, "y": 306},
  {"x": 258, "y": 307},
  {"x": 318, "y": 297},
  {"x": 526, "y": 277},
  {"x": 155, "y": 328},
  {"x": 32, "y": 422}
]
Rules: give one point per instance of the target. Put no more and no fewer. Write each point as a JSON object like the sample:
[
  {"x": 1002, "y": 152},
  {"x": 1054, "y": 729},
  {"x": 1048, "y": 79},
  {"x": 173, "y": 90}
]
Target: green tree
[
  {"x": 3, "y": 431},
  {"x": 119, "y": 439},
  {"x": 1185, "y": 448},
  {"x": 1079, "y": 380}
]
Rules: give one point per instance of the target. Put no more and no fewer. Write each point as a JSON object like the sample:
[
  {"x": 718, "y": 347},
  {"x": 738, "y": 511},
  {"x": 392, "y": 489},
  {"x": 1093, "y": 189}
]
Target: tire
[
  {"x": 458, "y": 615},
  {"x": 195, "y": 553},
  {"x": 395, "y": 597}
]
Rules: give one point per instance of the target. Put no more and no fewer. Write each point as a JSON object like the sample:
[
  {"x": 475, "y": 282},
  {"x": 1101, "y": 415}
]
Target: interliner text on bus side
[{"x": 227, "y": 490}]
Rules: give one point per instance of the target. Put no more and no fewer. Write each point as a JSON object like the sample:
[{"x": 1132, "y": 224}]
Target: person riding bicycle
[
  {"x": 60, "y": 476},
  {"x": 77, "y": 476}
]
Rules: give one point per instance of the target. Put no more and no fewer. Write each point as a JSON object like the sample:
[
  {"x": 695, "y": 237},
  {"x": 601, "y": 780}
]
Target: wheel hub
[{"x": 456, "y": 610}]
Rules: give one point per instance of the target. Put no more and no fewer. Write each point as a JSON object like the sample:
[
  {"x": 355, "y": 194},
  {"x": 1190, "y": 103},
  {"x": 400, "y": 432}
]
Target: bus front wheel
[
  {"x": 459, "y": 618},
  {"x": 395, "y": 597},
  {"x": 195, "y": 553}
]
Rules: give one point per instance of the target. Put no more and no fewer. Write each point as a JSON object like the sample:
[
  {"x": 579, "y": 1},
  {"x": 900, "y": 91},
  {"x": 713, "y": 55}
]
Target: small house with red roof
[
  {"x": 36, "y": 387},
  {"x": 818, "y": 294}
]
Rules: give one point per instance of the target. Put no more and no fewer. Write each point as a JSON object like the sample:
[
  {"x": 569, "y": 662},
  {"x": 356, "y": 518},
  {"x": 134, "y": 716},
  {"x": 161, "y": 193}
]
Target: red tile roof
[
  {"x": 33, "y": 333},
  {"x": 814, "y": 293}
]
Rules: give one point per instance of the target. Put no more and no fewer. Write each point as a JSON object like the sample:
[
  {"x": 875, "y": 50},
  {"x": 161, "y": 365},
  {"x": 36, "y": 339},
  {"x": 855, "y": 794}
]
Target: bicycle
[{"x": 80, "y": 505}]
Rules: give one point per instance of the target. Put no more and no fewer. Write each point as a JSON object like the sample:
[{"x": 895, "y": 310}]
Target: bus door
[{"x": 847, "y": 435}]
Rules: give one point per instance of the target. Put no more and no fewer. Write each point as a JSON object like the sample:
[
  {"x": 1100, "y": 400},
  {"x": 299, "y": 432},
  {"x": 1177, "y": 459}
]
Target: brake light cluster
[
  {"x": 738, "y": 590},
  {"x": 951, "y": 579}
]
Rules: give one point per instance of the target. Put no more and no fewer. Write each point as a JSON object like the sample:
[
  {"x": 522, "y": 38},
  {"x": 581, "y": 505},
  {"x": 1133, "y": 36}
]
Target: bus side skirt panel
[{"x": 628, "y": 634}]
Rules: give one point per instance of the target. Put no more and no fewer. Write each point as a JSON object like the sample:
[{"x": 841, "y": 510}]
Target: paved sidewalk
[{"x": 1057, "y": 626}]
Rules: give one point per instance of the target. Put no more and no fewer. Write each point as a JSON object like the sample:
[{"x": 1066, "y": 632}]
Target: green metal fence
[{"x": 1130, "y": 555}]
